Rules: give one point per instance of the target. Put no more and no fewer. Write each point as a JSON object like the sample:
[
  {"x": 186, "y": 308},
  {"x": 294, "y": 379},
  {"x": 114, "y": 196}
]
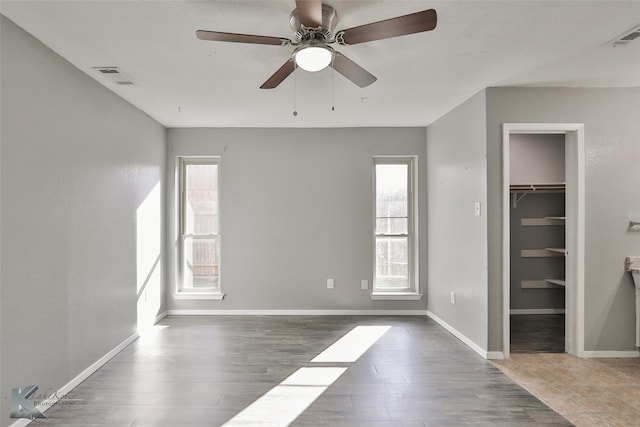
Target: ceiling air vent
[
  {"x": 114, "y": 74},
  {"x": 626, "y": 38}
]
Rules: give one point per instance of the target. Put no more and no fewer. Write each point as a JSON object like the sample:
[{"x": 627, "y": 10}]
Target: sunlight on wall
[
  {"x": 350, "y": 347},
  {"x": 148, "y": 262},
  {"x": 281, "y": 405}
]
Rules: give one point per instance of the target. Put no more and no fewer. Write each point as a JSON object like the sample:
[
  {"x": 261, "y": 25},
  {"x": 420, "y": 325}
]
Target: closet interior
[{"x": 537, "y": 241}]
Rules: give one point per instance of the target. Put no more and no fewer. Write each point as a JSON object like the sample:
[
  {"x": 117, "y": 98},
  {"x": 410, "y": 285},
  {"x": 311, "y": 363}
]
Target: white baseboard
[
  {"x": 55, "y": 397},
  {"x": 161, "y": 316},
  {"x": 495, "y": 355},
  {"x": 475, "y": 347},
  {"x": 537, "y": 311},
  {"x": 609, "y": 354},
  {"x": 180, "y": 312}
]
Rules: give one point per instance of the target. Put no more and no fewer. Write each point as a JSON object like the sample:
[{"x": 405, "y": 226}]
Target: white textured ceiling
[{"x": 185, "y": 82}]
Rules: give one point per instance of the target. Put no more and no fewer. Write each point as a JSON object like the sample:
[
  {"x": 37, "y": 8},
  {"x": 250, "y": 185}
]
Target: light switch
[
  {"x": 330, "y": 283},
  {"x": 476, "y": 209}
]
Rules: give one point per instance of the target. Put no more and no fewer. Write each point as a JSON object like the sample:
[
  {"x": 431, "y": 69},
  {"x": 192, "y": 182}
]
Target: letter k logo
[{"x": 21, "y": 407}]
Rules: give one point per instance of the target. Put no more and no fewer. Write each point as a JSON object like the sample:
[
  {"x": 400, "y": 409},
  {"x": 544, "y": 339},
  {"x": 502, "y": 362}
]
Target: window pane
[
  {"x": 392, "y": 262},
  {"x": 392, "y": 198},
  {"x": 201, "y": 266},
  {"x": 201, "y": 209}
]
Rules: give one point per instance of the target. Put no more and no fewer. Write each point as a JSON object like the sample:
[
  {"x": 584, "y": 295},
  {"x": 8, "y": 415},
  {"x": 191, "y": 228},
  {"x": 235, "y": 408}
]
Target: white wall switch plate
[
  {"x": 453, "y": 297},
  {"x": 364, "y": 284},
  {"x": 476, "y": 209},
  {"x": 330, "y": 283}
]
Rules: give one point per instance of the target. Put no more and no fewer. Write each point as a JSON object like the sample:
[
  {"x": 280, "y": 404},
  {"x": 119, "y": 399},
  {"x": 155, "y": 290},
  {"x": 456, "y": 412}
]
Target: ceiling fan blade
[
  {"x": 310, "y": 12},
  {"x": 352, "y": 71},
  {"x": 218, "y": 36},
  {"x": 394, "y": 27},
  {"x": 279, "y": 76}
]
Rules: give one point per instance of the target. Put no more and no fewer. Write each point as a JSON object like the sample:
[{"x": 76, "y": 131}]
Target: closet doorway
[{"x": 543, "y": 238}]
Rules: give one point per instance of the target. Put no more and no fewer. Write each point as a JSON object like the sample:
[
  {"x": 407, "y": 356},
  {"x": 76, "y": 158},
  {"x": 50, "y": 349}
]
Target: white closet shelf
[
  {"x": 547, "y": 220},
  {"x": 541, "y": 284},
  {"x": 541, "y": 253},
  {"x": 562, "y": 251}
]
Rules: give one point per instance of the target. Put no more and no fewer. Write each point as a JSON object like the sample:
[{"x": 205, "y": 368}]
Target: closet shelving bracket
[{"x": 519, "y": 191}]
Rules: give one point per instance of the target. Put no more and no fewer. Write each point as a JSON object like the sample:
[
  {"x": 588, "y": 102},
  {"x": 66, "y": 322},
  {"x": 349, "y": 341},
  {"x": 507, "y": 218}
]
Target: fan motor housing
[{"x": 320, "y": 34}]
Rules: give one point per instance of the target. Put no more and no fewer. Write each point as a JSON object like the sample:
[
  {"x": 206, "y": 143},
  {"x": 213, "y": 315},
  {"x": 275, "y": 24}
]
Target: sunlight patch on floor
[
  {"x": 354, "y": 344},
  {"x": 281, "y": 405}
]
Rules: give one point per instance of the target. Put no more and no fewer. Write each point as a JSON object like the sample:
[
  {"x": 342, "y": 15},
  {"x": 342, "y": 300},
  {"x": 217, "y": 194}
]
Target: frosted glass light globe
[{"x": 313, "y": 58}]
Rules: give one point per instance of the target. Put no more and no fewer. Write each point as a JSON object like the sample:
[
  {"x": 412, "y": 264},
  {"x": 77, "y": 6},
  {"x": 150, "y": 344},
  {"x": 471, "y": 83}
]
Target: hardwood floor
[
  {"x": 537, "y": 333},
  {"x": 203, "y": 371}
]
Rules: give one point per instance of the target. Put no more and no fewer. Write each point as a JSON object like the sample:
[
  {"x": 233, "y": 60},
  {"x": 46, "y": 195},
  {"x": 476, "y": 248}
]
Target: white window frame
[
  {"x": 412, "y": 291},
  {"x": 212, "y": 293}
]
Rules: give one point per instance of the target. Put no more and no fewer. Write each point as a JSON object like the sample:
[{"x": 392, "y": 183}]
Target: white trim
[
  {"x": 198, "y": 296},
  {"x": 517, "y": 311},
  {"x": 413, "y": 238},
  {"x": 609, "y": 354},
  {"x": 182, "y": 163},
  {"x": 575, "y": 228},
  {"x": 580, "y": 237},
  {"x": 49, "y": 402},
  {"x": 187, "y": 312},
  {"x": 160, "y": 316},
  {"x": 475, "y": 347},
  {"x": 397, "y": 296},
  {"x": 506, "y": 243},
  {"x": 495, "y": 355}
]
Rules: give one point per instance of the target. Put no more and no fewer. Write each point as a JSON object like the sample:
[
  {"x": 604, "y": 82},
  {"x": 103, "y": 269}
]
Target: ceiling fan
[{"x": 313, "y": 25}]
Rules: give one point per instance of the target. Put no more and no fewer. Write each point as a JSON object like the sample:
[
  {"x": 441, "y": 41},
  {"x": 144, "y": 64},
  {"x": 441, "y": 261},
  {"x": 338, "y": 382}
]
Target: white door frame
[{"x": 575, "y": 229}]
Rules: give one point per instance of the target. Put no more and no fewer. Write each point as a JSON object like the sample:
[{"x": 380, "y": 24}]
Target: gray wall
[
  {"x": 612, "y": 137},
  {"x": 457, "y": 243},
  {"x": 536, "y": 159},
  {"x": 78, "y": 171},
  {"x": 296, "y": 209}
]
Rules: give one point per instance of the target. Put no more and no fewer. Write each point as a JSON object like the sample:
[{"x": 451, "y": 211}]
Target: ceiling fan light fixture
[{"x": 313, "y": 58}]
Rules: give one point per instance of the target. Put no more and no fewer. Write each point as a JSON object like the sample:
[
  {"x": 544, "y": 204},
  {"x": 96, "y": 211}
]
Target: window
[
  {"x": 199, "y": 226},
  {"x": 394, "y": 232}
]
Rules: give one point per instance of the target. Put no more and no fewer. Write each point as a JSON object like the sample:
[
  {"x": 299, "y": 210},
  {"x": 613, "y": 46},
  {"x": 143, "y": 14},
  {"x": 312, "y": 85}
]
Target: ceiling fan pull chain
[
  {"x": 295, "y": 90},
  {"x": 333, "y": 85}
]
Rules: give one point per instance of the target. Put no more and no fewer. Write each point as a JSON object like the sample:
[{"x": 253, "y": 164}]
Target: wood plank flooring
[
  {"x": 202, "y": 371},
  {"x": 537, "y": 333}
]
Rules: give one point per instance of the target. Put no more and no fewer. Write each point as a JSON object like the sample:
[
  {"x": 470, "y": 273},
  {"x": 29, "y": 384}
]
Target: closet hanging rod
[
  {"x": 529, "y": 188},
  {"x": 519, "y": 191}
]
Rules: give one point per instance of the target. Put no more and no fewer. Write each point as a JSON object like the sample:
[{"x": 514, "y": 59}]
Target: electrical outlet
[
  {"x": 453, "y": 298},
  {"x": 330, "y": 283},
  {"x": 364, "y": 284}
]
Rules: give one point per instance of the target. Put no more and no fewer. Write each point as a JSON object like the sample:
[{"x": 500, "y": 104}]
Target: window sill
[
  {"x": 198, "y": 296},
  {"x": 397, "y": 296}
]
